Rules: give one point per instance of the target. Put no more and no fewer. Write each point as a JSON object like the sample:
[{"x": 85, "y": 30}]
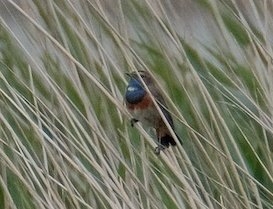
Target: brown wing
[{"x": 162, "y": 104}]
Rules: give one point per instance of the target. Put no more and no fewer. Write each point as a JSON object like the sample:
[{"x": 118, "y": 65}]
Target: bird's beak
[{"x": 128, "y": 74}]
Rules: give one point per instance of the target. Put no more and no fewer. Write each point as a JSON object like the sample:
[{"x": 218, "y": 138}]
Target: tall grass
[{"x": 65, "y": 137}]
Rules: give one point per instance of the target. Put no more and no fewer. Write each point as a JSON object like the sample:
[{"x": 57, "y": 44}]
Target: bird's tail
[
  {"x": 165, "y": 141},
  {"x": 168, "y": 140}
]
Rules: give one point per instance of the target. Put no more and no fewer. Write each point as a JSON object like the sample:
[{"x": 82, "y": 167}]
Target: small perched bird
[{"x": 140, "y": 104}]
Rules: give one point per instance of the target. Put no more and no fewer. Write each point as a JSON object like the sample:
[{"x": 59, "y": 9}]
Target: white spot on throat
[{"x": 131, "y": 88}]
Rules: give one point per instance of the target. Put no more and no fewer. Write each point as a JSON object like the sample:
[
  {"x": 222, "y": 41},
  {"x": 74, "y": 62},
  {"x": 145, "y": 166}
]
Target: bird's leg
[
  {"x": 162, "y": 145},
  {"x": 133, "y": 121},
  {"x": 158, "y": 149}
]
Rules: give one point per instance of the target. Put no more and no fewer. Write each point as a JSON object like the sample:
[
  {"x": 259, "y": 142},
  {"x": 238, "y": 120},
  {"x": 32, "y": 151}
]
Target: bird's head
[
  {"x": 135, "y": 89},
  {"x": 141, "y": 75}
]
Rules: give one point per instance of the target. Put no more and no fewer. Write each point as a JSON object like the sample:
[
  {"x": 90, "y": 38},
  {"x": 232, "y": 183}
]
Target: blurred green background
[{"x": 66, "y": 139}]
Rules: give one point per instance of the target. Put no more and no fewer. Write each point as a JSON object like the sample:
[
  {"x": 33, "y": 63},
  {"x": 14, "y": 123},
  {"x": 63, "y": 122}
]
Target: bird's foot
[
  {"x": 158, "y": 149},
  {"x": 133, "y": 121}
]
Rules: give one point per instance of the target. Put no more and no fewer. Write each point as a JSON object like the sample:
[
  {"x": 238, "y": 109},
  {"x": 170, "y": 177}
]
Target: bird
[{"x": 140, "y": 105}]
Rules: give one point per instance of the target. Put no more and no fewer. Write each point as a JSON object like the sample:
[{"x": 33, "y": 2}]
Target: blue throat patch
[{"x": 135, "y": 91}]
